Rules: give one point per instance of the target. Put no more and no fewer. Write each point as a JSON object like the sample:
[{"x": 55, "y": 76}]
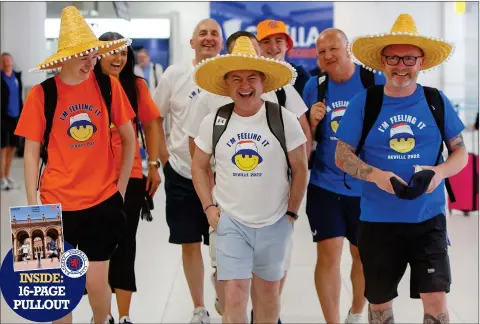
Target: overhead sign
[{"x": 304, "y": 20}]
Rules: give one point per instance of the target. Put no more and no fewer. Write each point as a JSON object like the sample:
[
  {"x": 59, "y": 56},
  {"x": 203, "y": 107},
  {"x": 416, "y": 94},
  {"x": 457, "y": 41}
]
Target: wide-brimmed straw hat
[
  {"x": 209, "y": 74},
  {"x": 367, "y": 50},
  {"x": 77, "y": 39}
]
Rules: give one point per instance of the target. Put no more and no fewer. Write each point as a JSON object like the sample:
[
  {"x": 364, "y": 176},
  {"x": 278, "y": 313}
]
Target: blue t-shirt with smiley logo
[
  {"x": 404, "y": 135},
  {"x": 325, "y": 173}
]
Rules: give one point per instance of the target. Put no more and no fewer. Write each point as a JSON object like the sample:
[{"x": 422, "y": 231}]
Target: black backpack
[
  {"x": 373, "y": 105},
  {"x": 367, "y": 77},
  {"x": 274, "y": 120}
]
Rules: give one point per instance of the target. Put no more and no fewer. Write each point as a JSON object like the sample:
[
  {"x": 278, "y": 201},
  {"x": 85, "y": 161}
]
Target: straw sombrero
[
  {"x": 209, "y": 74},
  {"x": 367, "y": 49},
  {"x": 76, "y": 39}
]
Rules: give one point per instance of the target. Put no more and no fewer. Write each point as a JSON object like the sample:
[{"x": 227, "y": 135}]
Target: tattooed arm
[
  {"x": 347, "y": 161},
  {"x": 457, "y": 159}
]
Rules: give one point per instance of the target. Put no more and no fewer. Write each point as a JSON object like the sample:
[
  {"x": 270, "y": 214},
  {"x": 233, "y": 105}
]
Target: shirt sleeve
[
  {"x": 122, "y": 111},
  {"x": 294, "y": 102},
  {"x": 294, "y": 135},
  {"x": 350, "y": 129},
  {"x": 147, "y": 110},
  {"x": 163, "y": 93},
  {"x": 204, "y": 138},
  {"x": 31, "y": 123},
  {"x": 453, "y": 125},
  {"x": 197, "y": 112}
]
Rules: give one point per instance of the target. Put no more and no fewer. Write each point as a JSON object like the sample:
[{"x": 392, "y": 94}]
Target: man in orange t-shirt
[{"x": 80, "y": 171}]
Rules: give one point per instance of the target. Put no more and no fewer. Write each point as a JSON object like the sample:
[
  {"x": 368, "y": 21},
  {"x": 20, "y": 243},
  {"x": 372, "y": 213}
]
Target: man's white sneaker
[
  {"x": 125, "y": 320},
  {"x": 12, "y": 184},
  {"x": 353, "y": 318},
  {"x": 200, "y": 316},
  {"x": 4, "y": 184}
]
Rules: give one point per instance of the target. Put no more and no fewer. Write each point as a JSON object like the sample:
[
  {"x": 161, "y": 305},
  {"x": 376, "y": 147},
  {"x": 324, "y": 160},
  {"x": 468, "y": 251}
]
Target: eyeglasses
[{"x": 407, "y": 60}]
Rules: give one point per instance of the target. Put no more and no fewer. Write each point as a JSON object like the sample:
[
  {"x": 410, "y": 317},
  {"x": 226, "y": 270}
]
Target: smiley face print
[
  {"x": 246, "y": 156},
  {"x": 81, "y": 128}
]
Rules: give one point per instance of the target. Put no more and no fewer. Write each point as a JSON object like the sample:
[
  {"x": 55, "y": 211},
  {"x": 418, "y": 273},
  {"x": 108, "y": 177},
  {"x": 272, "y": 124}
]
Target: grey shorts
[{"x": 242, "y": 250}]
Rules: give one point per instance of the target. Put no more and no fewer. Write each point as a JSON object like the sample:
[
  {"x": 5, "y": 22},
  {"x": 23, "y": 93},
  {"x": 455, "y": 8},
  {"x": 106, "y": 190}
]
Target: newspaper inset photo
[{"x": 37, "y": 239}]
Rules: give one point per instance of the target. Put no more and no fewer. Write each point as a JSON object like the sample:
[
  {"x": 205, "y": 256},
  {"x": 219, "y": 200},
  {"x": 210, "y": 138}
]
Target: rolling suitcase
[{"x": 465, "y": 187}]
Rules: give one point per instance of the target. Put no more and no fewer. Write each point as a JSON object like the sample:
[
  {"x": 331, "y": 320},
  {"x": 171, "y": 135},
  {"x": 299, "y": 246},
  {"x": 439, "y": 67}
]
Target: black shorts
[
  {"x": 387, "y": 248},
  {"x": 122, "y": 264},
  {"x": 332, "y": 215},
  {"x": 7, "y": 134},
  {"x": 185, "y": 217},
  {"x": 96, "y": 230}
]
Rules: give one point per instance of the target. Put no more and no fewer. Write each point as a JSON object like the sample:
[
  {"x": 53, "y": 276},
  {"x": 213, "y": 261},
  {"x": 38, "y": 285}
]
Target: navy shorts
[
  {"x": 185, "y": 217},
  {"x": 332, "y": 215}
]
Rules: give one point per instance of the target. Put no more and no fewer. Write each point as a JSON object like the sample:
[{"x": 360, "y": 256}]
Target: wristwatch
[
  {"x": 292, "y": 214},
  {"x": 154, "y": 163}
]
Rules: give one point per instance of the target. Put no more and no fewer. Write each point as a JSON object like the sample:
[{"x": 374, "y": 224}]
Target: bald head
[
  {"x": 332, "y": 53},
  {"x": 206, "y": 39},
  {"x": 206, "y": 23},
  {"x": 333, "y": 32}
]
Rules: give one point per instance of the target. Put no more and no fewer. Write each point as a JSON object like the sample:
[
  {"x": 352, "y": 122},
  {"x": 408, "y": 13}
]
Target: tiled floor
[{"x": 163, "y": 294}]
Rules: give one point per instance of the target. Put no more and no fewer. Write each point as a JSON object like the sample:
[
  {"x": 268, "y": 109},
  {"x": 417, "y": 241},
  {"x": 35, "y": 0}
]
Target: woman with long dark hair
[{"x": 122, "y": 266}]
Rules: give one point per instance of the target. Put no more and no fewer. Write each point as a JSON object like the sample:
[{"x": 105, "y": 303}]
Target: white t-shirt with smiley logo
[{"x": 251, "y": 167}]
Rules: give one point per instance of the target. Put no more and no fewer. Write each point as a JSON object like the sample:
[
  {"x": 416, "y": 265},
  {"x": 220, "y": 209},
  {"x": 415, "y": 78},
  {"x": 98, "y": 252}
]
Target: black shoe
[{"x": 251, "y": 319}]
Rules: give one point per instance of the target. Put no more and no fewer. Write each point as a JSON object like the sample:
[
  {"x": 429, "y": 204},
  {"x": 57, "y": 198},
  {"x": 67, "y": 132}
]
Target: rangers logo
[
  {"x": 272, "y": 24},
  {"x": 74, "y": 263}
]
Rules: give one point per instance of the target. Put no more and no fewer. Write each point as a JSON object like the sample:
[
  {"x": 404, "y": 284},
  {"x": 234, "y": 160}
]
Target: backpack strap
[
  {"x": 373, "y": 105},
  {"x": 220, "y": 123},
  {"x": 367, "y": 77},
  {"x": 49, "y": 105},
  {"x": 155, "y": 74},
  {"x": 275, "y": 123},
  {"x": 281, "y": 97},
  {"x": 437, "y": 108}
]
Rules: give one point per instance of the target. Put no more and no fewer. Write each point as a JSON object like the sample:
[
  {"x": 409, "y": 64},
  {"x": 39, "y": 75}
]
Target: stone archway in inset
[
  {"x": 53, "y": 236},
  {"x": 22, "y": 238},
  {"x": 38, "y": 243}
]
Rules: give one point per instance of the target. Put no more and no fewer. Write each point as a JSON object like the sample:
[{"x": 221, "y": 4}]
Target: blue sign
[
  {"x": 304, "y": 20},
  {"x": 42, "y": 294}
]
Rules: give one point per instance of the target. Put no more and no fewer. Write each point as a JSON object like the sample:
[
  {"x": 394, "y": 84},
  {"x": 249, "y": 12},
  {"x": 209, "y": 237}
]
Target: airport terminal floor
[{"x": 163, "y": 295}]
